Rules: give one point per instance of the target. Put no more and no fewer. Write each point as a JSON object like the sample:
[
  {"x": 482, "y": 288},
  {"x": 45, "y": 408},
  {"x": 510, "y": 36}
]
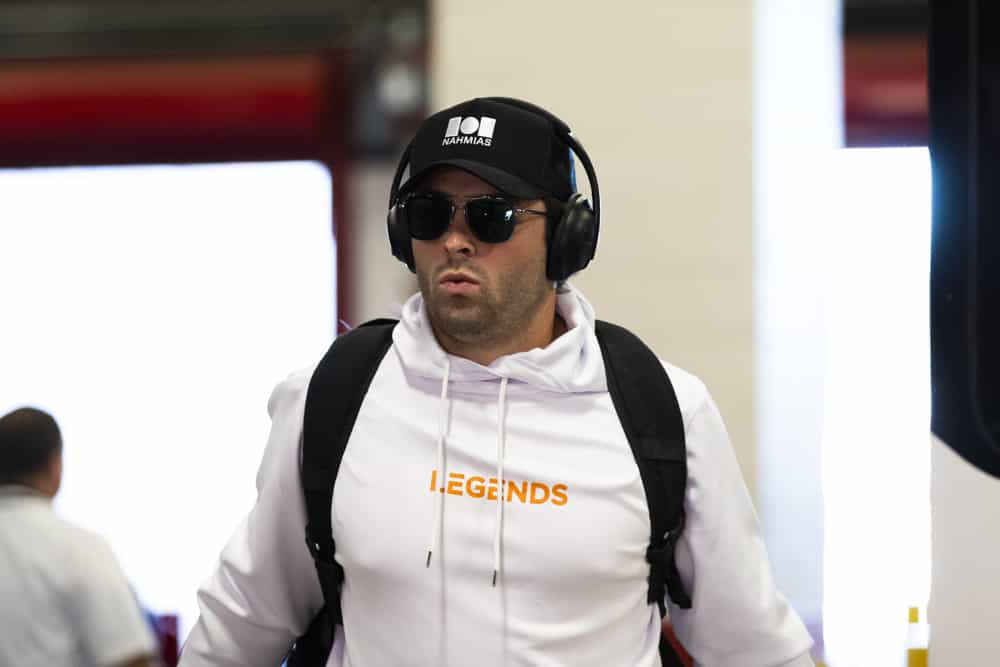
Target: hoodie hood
[{"x": 572, "y": 363}]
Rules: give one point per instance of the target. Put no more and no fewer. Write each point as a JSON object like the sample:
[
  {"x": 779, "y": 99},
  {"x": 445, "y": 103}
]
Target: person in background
[{"x": 64, "y": 601}]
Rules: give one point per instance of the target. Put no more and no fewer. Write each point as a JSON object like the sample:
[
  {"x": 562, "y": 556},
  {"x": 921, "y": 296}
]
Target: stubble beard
[{"x": 499, "y": 313}]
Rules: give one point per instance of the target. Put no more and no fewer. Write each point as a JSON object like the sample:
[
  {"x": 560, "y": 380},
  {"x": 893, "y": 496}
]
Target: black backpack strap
[
  {"x": 651, "y": 418},
  {"x": 336, "y": 390}
]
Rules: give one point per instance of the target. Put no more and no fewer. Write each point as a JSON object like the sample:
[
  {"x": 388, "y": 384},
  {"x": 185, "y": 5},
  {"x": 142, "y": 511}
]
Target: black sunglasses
[{"x": 490, "y": 218}]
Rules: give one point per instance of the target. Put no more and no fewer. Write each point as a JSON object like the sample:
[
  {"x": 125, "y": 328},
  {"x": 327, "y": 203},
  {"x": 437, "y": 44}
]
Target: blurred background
[{"x": 193, "y": 198}]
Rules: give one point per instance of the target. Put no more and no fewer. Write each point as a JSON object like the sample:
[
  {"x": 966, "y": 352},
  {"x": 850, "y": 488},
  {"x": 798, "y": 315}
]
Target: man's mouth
[{"x": 458, "y": 282}]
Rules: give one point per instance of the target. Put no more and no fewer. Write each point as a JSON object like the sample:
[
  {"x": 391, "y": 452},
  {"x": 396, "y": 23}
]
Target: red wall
[{"x": 885, "y": 90}]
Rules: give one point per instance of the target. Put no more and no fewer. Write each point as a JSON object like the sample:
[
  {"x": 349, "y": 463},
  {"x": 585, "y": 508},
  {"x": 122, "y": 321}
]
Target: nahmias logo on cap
[{"x": 470, "y": 130}]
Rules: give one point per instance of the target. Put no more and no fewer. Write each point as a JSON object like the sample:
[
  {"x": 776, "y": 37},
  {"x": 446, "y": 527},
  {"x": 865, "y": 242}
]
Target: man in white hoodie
[{"x": 488, "y": 508}]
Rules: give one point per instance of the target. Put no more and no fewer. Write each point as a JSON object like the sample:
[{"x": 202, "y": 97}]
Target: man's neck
[
  {"x": 542, "y": 331},
  {"x": 22, "y": 488},
  {"x": 44, "y": 483}
]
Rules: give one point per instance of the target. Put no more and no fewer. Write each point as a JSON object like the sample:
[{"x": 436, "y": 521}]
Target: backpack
[{"x": 642, "y": 395}]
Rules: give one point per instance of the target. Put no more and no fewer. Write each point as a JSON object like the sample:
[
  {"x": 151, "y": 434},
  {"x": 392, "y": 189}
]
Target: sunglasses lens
[
  {"x": 491, "y": 219},
  {"x": 427, "y": 216}
]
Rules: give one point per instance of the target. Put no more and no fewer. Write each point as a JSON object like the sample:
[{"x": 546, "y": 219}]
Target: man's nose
[{"x": 458, "y": 238}]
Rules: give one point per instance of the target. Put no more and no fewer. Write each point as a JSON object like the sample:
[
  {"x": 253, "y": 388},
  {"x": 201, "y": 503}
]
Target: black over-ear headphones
[{"x": 573, "y": 240}]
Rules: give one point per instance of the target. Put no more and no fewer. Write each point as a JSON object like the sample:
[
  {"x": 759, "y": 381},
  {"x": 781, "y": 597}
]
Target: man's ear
[{"x": 53, "y": 473}]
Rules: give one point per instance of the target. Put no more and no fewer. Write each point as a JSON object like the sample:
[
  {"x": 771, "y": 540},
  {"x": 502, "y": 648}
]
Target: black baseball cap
[{"x": 514, "y": 149}]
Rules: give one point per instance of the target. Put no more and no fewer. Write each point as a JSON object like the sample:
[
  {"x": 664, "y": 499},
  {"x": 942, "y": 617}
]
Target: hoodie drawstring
[
  {"x": 432, "y": 543},
  {"x": 501, "y": 451}
]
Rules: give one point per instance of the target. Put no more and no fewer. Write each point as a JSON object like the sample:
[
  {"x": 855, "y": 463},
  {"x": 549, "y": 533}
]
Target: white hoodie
[{"x": 569, "y": 541}]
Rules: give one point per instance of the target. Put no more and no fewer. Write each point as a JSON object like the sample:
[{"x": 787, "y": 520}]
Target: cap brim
[{"x": 507, "y": 184}]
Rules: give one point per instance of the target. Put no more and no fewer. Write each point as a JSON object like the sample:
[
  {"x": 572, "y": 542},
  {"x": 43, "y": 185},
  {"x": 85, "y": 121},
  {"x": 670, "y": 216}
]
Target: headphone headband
[{"x": 404, "y": 162}]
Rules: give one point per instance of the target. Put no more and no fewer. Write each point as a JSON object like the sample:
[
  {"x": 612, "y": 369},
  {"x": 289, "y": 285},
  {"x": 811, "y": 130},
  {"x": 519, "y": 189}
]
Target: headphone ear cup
[
  {"x": 399, "y": 236},
  {"x": 573, "y": 240}
]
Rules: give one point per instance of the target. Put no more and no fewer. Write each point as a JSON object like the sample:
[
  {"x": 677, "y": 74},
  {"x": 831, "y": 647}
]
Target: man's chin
[
  {"x": 459, "y": 322},
  {"x": 455, "y": 303}
]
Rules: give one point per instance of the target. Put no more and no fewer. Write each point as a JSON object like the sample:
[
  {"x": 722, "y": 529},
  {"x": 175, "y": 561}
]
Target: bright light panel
[
  {"x": 151, "y": 310},
  {"x": 876, "y": 441}
]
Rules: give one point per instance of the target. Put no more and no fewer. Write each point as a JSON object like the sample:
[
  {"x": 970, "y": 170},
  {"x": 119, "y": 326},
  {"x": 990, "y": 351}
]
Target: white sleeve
[
  {"x": 265, "y": 591},
  {"x": 737, "y": 618},
  {"x": 112, "y": 627}
]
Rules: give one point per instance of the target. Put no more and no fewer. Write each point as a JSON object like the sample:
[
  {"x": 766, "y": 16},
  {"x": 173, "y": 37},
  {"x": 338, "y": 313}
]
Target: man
[
  {"x": 495, "y": 380},
  {"x": 63, "y": 598}
]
